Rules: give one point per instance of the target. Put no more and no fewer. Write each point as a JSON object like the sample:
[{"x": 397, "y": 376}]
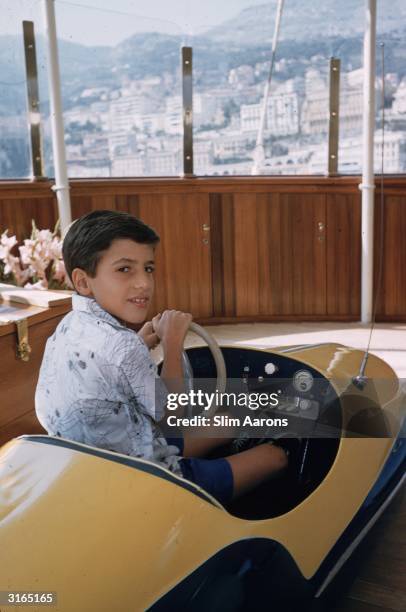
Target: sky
[{"x": 106, "y": 23}]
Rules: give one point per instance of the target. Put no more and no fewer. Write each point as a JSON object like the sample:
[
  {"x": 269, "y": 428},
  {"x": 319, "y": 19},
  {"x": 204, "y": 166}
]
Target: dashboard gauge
[
  {"x": 303, "y": 381},
  {"x": 270, "y": 368}
]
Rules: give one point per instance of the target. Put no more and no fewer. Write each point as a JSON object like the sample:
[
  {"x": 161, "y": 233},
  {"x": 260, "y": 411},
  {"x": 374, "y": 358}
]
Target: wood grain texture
[
  {"x": 306, "y": 265},
  {"x": 259, "y": 184},
  {"x": 246, "y": 273},
  {"x": 183, "y": 259},
  {"x": 390, "y": 253},
  {"x": 265, "y": 257},
  {"x": 222, "y": 254},
  {"x": 23, "y": 425},
  {"x": 343, "y": 244},
  {"x": 17, "y": 214},
  {"x": 18, "y": 379}
]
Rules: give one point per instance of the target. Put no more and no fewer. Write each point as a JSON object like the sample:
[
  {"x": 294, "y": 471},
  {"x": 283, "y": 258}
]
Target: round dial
[
  {"x": 303, "y": 381},
  {"x": 270, "y": 368}
]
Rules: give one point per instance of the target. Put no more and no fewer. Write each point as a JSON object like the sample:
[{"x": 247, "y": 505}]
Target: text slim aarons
[{"x": 223, "y": 420}]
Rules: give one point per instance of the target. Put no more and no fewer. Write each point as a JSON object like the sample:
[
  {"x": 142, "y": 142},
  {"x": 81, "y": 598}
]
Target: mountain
[
  {"x": 306, "y": 20},
  {"x": 308, "y": 30}
]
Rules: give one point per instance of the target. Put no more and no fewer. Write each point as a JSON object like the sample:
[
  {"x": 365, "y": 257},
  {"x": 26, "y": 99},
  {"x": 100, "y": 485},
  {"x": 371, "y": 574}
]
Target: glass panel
[
  {"x": 14, "y": 135},
  {"x": 121, "y": 86},
  {"x": 121, "y": 94},
  {"x": 231, "y": 67},
  {"x": 389, "y": 30}
]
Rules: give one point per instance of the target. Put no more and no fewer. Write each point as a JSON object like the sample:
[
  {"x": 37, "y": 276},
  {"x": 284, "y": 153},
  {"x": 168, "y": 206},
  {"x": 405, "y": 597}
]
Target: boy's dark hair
[{"x": 93, "y": 233}]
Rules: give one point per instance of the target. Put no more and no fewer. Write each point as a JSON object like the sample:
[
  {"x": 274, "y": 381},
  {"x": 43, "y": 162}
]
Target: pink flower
[
  {"x": 6, "y": 244},
  {"x": 40, "y": 260},
  {"x": 12, "y": 266}
]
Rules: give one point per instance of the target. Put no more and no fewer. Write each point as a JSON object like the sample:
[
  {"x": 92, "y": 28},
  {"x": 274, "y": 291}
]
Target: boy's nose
[{"x": 141, "y": 281}]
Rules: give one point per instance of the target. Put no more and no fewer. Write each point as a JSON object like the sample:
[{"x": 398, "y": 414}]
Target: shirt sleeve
[{"x": 140, "y": 371}]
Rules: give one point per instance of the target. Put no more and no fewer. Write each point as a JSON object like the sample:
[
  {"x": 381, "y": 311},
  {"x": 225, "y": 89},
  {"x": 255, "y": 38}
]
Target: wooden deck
[{"x": 380, "y": 565}]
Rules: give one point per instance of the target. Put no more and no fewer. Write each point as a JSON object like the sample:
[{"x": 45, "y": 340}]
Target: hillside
[{"x": 305, "y": 34}]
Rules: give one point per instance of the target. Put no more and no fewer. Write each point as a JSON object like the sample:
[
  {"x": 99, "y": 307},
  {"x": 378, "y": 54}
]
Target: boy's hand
[
  {"x": 171, "y": 327},
  {"x": 148, "y": 335}
]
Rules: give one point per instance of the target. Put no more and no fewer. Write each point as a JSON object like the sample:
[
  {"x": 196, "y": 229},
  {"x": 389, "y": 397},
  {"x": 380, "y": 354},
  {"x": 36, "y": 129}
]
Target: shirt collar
[{"x": 86, "y": 304}]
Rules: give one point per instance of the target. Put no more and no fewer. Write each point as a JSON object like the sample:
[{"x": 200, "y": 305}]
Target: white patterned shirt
[{"x": 98, "y": 385}]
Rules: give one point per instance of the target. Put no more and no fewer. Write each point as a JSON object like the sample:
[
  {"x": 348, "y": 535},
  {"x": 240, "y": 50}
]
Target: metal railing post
[
  {"x": 368, "y": 180},
  {"x": 333, "y": 121},
  {"x": 34, "y": 115},
  {"x": 61, "y": 187},
  {"x": 187, "y": 104}
]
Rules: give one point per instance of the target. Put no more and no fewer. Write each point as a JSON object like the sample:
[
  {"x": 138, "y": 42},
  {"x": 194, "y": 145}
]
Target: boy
[{"x": 98, "y": 384}]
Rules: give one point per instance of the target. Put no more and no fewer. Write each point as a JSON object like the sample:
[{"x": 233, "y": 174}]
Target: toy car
[{"x": 102, "y": 531}]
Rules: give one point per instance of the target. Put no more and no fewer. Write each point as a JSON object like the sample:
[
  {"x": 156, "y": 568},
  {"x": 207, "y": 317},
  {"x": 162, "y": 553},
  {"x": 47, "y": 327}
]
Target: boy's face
[{"x": 124, "y": 281}]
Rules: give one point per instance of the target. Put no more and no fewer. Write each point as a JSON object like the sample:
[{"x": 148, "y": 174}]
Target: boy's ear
[{"x": 80, "y": 282}]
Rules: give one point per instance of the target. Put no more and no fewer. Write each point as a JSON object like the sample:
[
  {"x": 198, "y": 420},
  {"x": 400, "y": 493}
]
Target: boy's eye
[
  {"x": 123, "y": 269},
  {"x": 150, "y": 269}
]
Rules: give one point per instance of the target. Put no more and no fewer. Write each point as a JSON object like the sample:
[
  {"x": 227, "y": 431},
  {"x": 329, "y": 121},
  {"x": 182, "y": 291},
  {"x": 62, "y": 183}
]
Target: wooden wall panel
[
  {"x": 18, "y": 379},
  {"x": 222, "y": 254},
  {"x": 82, "y": 204},
  {"x": 23, "y": 425},
  {"x": 343, "y": 242},
  {"x": 269, "y": 254},
  {"x": 16, "y": 215},
  {"x": 390, "y": 253},
  {"x": 286, "y": 254},
  {"x": 306, "y": 264},
  {"x": 183, "y": 278},
  {"x": 266, "y": 259},
  {"x": 279, "y": 263},
  {"x": 246, "y": 280},
  {"x": 150, "y": 210}
]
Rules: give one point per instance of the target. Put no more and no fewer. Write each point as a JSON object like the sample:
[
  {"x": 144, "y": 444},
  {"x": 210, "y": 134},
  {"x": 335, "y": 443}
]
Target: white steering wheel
[{"x": 218, "y": 359}]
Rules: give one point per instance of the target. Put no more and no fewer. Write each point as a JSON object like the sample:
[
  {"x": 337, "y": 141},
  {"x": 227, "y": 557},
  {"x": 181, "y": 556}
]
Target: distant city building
[
  {"x": 94, "y": 92},
  {"x": 283, "y": 110},
  {"x": 316, "y": 105},
  {"x": 315, "y": 115},
  {"x": 164, "y": 163},
  {"x": 249, "y": 117},
  {"x": 89, "y": 168},
  {"x": 121, "y": 141},
  {"x": 350, "y": 154},
  {"x": 282, "y": 117},
  {"x": 202, "y": 155},
  {"x": 232, "y": 145},
  {"x": 128, "y": 165},
  {"x": 173, "y": 115},
  {"x": 241, "y": 76},
  {"x": 96, "y": 146},
  {"x": 205, "y": 109},
  {"x": 79, "y": 115},
  {"x": 394, "y": 152},
  {"x": 399, "y": 98},
  {"x": 134, "y": 127},
  {"x": 101, "y": 114},
  {"x": 151, "y": 123},
  {"x": 125, "y": 111},
  {"x": 296, "y": 161}
]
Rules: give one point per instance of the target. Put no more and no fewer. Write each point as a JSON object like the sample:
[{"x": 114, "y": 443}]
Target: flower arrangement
[{"x": 39, "y": 264}]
